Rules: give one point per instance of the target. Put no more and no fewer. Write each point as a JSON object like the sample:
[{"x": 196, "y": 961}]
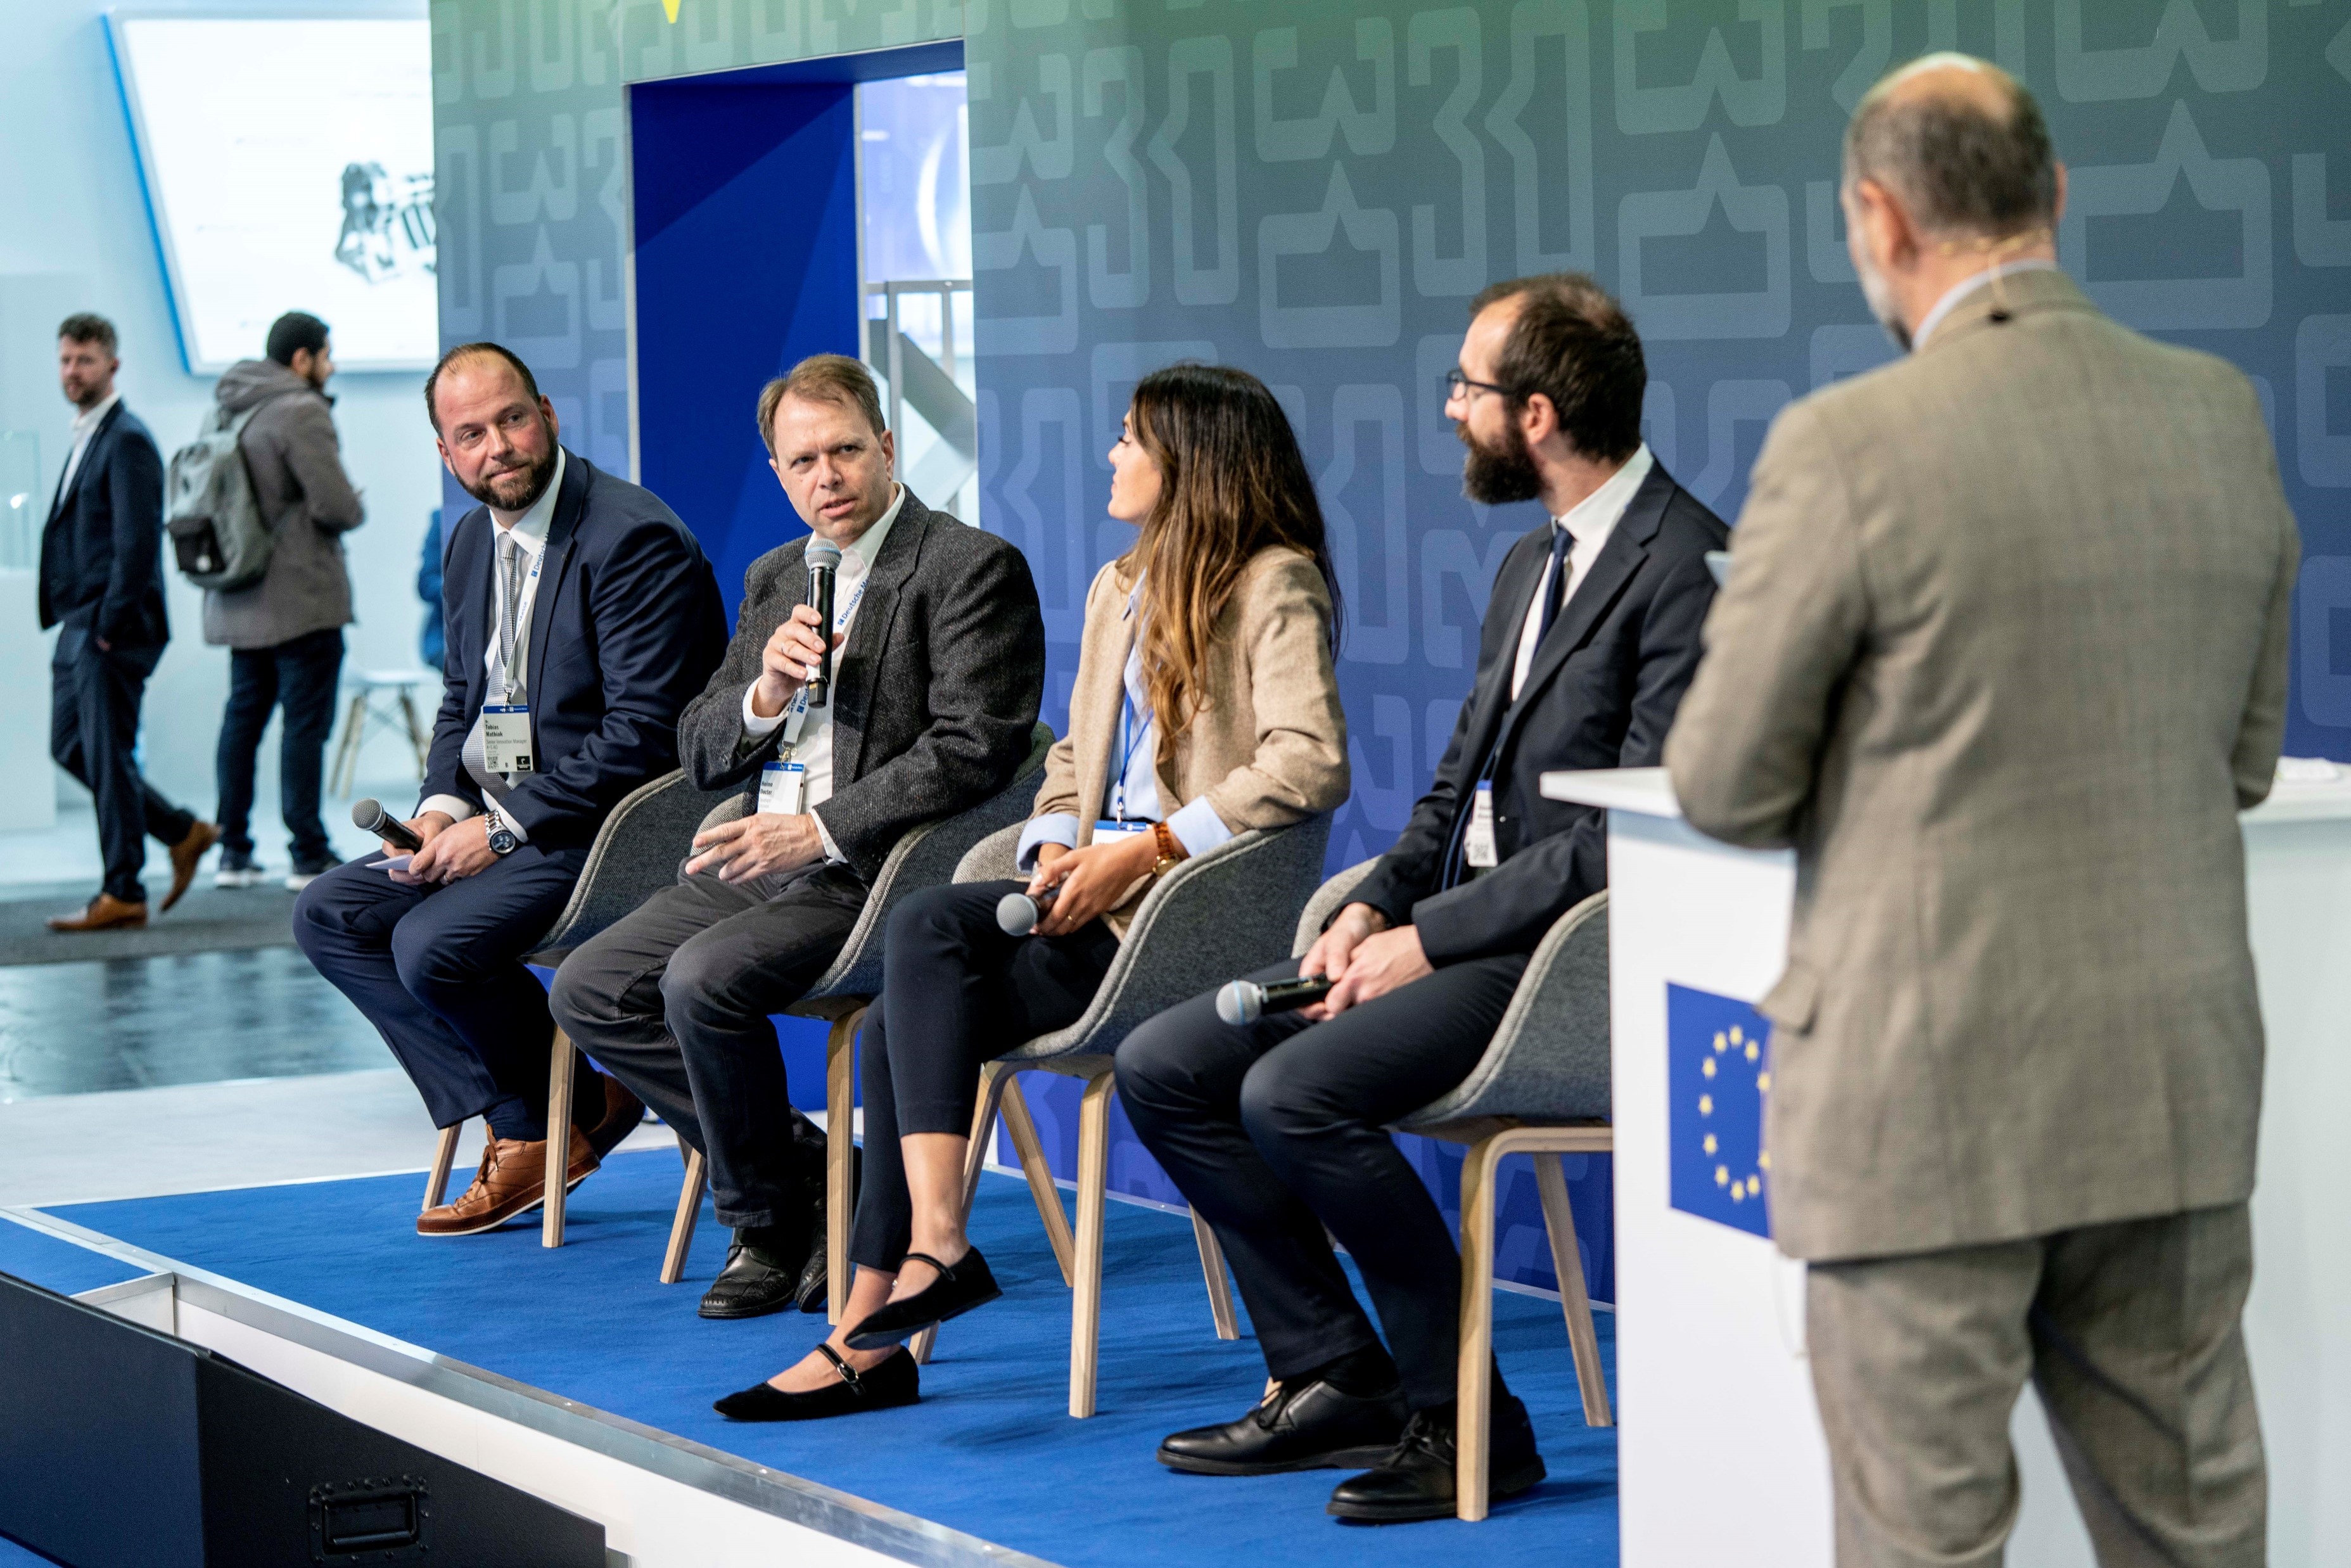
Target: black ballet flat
[
  {"x": 885, "y": 1386},
  {"x": 955, "y": 1293}
]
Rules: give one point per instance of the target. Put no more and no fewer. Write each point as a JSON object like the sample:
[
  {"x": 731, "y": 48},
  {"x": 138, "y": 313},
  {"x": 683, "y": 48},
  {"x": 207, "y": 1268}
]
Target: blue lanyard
[{"x": 1125, "y": 751}]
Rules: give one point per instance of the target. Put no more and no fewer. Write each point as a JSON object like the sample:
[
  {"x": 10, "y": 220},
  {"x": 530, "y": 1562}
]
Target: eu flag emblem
[{"x": 1719, "y": 1069}]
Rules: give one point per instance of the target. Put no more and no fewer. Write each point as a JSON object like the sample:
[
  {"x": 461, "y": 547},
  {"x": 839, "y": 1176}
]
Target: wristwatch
[
  {"x": 502, "y": 838},
  {"x": 1171, "y": 849}
]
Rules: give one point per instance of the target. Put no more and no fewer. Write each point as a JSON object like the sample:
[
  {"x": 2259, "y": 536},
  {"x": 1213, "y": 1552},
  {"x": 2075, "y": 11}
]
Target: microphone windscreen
[
  {"x": 1241, "y": 1002},
  {"x": 822, "y": 553},
  {"x": 1016, "y": 914},
  {"x": 366, "y": 814}
]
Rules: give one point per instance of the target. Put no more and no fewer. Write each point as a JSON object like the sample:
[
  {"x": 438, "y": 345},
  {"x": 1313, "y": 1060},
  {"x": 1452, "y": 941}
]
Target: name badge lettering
[
  {"x": 783, "y": 789},
  {"x": 506, "y": 738},
  {"x": 1478, "y": 844},
  {"x": 1109, "y": 827}
]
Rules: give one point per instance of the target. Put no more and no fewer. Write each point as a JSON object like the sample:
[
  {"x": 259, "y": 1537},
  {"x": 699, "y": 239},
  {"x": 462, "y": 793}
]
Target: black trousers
[
  {"x": 958, "y": 993},
  {"x": 1276, "y": 1129},
  {"x": 94, "y": 697},
  {"x": 300, "y": 676},
  {"x": 674, "y": 1002},
  {"x": 439, "y": 972}
]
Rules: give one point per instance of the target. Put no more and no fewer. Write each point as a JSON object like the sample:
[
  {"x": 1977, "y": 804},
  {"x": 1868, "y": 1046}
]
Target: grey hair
[{"x": 1961, "y": 170}]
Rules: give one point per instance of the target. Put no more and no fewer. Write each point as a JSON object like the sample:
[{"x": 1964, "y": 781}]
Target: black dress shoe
[
  {"x": 816, "y": 1274},
  {"x": 1312, "y": 1427},
  {"x": 884, "y": 1387},
  {"x": 754, "y": 1283},
  {"x": 956, "y": 1291},
  {"x": 1416, "y": 1481}
]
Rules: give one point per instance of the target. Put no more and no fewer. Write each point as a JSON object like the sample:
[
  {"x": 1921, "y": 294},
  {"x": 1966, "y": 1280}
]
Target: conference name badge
[
  {"x": 783, "y": 789},
  {"x": 1111, "y": 827},
  {"x": 1478, "y": 844},
  {"x": 506, "y": 738}
]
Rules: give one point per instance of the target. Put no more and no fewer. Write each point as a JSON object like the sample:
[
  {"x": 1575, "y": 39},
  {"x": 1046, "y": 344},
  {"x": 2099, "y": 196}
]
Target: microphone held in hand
[
  {"x": 823, "y": 560},
  {"x": 1017, "y": 913},
  {"x": 369, "y": 816},
  {"x": 1246, "y": 1001}
]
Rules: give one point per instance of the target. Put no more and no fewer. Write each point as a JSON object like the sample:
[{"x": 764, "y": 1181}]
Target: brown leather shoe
[
  {"x": 511, "y": 1182},
  {"x": 184, "y": 856},
  {"x": 105, "y": 913},
  {"x": 623, "y": 1111}
]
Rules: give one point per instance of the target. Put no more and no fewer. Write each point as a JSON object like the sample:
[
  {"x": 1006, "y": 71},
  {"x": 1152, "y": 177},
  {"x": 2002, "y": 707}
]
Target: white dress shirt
[
  {"x": 85, "y": 425},
  {"x": 812, "y": 745},
  {"x": 1966, "y": 286},
  {"x": 530, "y": 534},
  {"x": 1588, "y": 523}
]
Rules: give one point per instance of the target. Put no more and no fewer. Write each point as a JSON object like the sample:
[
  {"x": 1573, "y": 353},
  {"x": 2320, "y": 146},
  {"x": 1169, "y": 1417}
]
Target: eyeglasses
[{"x": 1456, "y": 385}]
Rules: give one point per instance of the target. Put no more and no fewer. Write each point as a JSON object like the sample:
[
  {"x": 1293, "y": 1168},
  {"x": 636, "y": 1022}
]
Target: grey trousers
[
  {"x": 674, "y": 1000},
  {"x": 2130, "y": 1333}
]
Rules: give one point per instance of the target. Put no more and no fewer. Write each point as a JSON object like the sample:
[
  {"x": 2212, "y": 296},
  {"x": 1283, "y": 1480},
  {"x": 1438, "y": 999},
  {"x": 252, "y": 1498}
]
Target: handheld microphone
[
  {"x": 1016, "y": 914},
  {"x": 823, "y": 560},
  {"x": 1246, "y": 1001},
  {"x": 369, "y": 816}
]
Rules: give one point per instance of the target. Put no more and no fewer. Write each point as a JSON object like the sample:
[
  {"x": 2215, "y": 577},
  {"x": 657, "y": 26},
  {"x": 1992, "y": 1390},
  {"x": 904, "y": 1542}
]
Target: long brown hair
[{"x": 1232, "y": 483}]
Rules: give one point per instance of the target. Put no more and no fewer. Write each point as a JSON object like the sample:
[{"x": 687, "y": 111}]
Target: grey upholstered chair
[
  {"x": 926, "y": 856},
  {"x": 636, "y": 851},
  {"x": 1214, "y": 916}
]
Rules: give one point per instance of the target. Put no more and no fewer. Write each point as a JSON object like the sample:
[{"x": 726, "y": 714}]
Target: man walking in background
[
  {"x": 102, "y": 588},
  {"x": 284, "y": 633},
  {"x": 2002, "y": 654}
]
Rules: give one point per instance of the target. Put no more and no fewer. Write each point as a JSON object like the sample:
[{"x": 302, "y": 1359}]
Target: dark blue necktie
[{"x": 1555, "y": 588}]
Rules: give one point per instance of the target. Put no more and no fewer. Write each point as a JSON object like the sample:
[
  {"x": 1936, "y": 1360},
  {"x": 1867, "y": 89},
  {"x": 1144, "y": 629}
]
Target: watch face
[{"x": 502, "y": 843}]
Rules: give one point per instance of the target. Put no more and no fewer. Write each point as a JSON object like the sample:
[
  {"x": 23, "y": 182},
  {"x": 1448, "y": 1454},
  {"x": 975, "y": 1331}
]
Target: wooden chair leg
[
  {"x": 1473, "y": 1381},
  {"x": 444, "y": 1155},
  {"x": 1093, "y": 1189},
  {"x": 1574, "y": 1301},
  {"x": 839, "y": 1156},
  {"x": 994, "y": 1079},
  {"x": 562, "y": 1066},
  {"x": 1221, "y": 1285},
  {"x": 689, "y": 1214},
  {"x": 1041, "y": 1187}
]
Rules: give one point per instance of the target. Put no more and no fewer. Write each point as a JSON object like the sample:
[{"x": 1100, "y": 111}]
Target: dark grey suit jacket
[{"x": 934, "y": 693}]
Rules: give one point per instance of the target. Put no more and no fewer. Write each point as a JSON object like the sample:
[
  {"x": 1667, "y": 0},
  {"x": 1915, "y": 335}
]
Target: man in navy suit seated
[{"x": 581, "y": 617}]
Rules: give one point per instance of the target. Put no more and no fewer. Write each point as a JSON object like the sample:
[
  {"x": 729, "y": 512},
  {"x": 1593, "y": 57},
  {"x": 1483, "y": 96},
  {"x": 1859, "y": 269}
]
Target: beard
[
  {"x": 514, "y": 489},
  {"x": 1498, "y": 475},
  {"x": 1880, "y": 297}
]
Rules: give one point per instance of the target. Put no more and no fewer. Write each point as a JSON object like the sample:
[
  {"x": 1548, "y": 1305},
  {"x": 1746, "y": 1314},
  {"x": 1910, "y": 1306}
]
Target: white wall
[{"x": 74, "y": 234}]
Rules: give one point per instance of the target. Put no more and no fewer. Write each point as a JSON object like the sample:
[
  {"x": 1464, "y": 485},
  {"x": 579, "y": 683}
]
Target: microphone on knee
[
  {"x": 369, "y": 816},
  {"x": 1016, "y": 914},
  {"x": 1246, "y": 1001}
]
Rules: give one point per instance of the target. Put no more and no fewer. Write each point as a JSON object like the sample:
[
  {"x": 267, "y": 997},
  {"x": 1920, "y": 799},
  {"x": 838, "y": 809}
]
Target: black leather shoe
[
  {"x": 816, "y": 1274},
  {"x": 1312, "y": 1427},
  {"x": 754, "y": 1283},
  {"x": 956, "y": 1291},
  {"x": 884, "y": 1387},
  {"x": 1416, "y": 1481}
]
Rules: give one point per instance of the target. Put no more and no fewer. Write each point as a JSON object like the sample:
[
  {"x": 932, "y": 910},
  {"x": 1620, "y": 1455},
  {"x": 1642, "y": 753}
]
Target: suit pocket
[{"x": 1793, "y": 1000}]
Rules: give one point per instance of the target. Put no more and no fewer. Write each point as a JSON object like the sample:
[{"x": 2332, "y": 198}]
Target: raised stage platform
[{"x": 576, "y": 1375}]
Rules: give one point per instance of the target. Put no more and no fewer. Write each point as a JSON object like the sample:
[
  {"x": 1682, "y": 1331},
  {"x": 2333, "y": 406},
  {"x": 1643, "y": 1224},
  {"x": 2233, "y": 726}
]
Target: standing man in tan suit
[{"x": 2002, "y": 654}]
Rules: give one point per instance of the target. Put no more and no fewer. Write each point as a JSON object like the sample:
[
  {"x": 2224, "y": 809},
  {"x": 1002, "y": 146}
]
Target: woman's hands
[{"x": 1091, "y": 880}]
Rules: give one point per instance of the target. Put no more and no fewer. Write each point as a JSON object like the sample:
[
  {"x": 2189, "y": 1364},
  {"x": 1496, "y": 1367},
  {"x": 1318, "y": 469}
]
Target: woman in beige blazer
[{"x": 1205, "y": 705}]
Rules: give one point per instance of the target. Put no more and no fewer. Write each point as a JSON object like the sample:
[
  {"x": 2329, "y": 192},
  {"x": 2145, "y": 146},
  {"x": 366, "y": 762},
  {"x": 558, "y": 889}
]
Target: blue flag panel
[{"x": 1719, "y": 1069}]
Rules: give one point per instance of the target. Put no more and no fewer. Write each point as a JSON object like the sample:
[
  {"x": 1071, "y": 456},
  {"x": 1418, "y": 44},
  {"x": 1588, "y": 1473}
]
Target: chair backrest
[
  {"x": 1327, "y": 902},
  {"x": 636, "y": 852},
  {"x": 924, "y": 856},
  {"x": 1213, "y": 917},
  {"x": 1548, "y": 1060}
]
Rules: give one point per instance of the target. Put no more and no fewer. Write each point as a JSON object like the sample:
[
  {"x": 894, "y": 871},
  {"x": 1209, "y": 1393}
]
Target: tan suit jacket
[
  {"x": 2002, "y": 654},
  {"x": 1268, "y": 746}
]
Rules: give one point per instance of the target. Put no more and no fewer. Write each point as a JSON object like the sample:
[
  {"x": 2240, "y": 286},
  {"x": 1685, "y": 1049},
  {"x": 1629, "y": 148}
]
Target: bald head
[{"x": 1961, "y": 144}]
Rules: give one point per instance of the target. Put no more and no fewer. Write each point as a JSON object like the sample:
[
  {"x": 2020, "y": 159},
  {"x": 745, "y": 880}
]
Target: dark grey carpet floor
[{"x": 208, "y": 920}]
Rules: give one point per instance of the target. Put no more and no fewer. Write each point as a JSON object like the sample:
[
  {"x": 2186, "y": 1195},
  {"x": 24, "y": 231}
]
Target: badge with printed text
[
  {"x": 506, "y": 738},
  {"x": 783, "y": 789},
  {"x": 1478, "y": 843}
]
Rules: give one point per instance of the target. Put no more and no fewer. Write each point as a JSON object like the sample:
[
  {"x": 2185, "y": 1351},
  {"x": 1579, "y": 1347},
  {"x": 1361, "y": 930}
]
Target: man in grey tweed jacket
[
  {"x": 2001, "y": 655},
  {"x": 940, "y": 669}
]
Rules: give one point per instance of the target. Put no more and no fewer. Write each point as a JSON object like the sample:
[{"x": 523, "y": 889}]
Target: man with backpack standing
[
  {"x": 283, "y": 629},
  {"x": 102, "y": 588}
]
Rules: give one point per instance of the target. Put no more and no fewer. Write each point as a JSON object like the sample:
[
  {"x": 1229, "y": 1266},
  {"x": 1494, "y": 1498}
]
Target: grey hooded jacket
[{"x": 297, "y": 465}]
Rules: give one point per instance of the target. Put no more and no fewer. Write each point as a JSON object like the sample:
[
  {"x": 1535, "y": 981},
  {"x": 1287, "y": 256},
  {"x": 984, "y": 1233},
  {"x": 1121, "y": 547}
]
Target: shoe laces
[{"x": 1423, "y": 1434}]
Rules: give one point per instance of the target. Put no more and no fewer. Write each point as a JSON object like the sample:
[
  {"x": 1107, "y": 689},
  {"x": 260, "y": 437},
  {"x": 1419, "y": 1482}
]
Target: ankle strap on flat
[
  {"x": 840, "y": 1363},
  {"x": 942, "y": 1268}
]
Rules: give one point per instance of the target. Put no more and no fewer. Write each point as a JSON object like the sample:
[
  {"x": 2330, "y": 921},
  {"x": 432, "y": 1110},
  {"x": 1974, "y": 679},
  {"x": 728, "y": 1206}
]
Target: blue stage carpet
[{"x": 990, "y": 1449}]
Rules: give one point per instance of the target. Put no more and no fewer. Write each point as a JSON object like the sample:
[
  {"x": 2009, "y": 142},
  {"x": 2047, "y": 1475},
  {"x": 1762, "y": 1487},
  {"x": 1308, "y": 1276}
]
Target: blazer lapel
[
  {"x": 570, "y": 502},
  {"x": 1514, "y": 592},
  {"x": 869, "y": 634},
  {"x": 60, "y": 503},
  {"x": 1619, "y": 559}
]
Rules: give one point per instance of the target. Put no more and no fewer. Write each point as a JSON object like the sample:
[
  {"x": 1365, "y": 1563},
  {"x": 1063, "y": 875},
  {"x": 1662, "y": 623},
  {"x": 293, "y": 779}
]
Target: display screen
[{"x": 289, "y": 167}]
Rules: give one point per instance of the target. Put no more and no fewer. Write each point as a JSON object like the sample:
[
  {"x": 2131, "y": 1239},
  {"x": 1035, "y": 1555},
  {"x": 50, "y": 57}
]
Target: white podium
[{"x": 1719, "y": 1452}]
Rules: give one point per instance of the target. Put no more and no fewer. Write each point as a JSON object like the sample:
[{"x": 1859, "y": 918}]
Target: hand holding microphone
[
  {"x": 823, "y": 559},
  {"x": 794, "y": 651},
  {"x": 369, "y": 816},
  {"x": 1016, "y": 914},
  {"x": 1246, "y": 1001}
]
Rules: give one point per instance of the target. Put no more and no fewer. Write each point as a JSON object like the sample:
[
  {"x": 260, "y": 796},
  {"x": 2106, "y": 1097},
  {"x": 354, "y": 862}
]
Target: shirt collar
[
  {"x": 530, "y": 528},
  {"x": 1958, "y": 292},
  {"x": 1596, "y": 514},
  {"x": 91, "y": 420},
  {"x": 868, "y": 548}
]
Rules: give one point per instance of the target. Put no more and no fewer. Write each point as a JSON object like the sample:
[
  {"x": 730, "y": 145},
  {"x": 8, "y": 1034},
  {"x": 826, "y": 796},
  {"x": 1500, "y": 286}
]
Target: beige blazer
[
  {"x": 2002, "y": 654},
  {"x": 1268, "y": 746}
]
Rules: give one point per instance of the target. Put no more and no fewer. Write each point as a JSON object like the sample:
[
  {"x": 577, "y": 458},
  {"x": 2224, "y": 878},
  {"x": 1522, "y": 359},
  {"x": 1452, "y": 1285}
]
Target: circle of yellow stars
[{"x": 1731, "y": 1044}]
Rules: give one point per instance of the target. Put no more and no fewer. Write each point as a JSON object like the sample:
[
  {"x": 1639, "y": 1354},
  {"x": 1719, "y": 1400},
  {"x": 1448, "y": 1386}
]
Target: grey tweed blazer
[
  {"x": 934, "y": 693},
  {"x": 2002, "y": 654}
]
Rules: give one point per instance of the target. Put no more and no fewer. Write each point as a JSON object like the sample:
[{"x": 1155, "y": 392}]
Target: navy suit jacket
[
  {"x": 1601, "y": 693},
  {"x": 624, "y": 631},
  {"x": 102, "y": 548}
]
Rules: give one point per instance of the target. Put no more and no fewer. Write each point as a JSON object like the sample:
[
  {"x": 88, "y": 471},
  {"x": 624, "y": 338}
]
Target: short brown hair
[
  {"x": 822, "y": 378},
  {"x": 474, "y": 351},
  {"x": 1575, "y": 344},
  {"x": 82, "y": 326}
]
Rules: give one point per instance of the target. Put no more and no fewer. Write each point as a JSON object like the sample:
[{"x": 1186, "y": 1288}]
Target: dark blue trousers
[
  {"x": 439, "y": 972},
  {"x": 94, "y": 697},
  {"x": 298, "y": 676}
]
